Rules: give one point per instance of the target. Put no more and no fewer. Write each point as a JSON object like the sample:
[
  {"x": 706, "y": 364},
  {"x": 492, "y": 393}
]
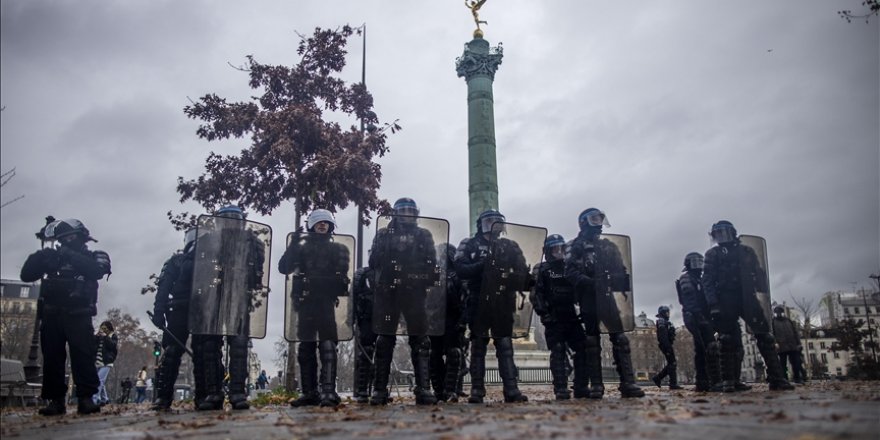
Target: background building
[{"x": 18, "y": 310}]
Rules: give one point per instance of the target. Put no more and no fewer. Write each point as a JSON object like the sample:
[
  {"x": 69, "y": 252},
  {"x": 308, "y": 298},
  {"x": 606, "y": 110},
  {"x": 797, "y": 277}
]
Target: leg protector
[
  {"x": 581, "y": 380},
  {"x": 420, "y": 347},
  {"x": 558, "y": 355},
  {"x": 328, "y": 374},
  {"x": 507, "y": 370},
  {"x": 308, "y": 373},
  {"x": 622, "y": 360},
  {"x": 169, "y": 365},
  {"x": 478, "y": 370},
  {"x": 438, "y": 367},
  {"x": 198, "y": 358},
  {"x": 729, "y": 362},
  {"x": 453, "y": 366},
  {"x": 593, "y": 354},
  {"x": 384, "y": 352},
  {"x": 213, "y": 373},
  {"x": 238, "y": 371},
  {"x": 363, "y": 374},
  {"x": 713, "y": 364}
]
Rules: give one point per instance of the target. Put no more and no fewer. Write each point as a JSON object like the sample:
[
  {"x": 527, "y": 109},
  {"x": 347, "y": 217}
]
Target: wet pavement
[{"x": 826, "y": 410}]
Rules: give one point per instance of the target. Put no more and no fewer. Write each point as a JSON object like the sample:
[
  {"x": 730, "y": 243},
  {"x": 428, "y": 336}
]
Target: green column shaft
[{"x": 478, "y": 65}]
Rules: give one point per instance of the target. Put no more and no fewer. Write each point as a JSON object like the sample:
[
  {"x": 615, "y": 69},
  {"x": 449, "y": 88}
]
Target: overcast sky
[{"x": 668, "y": 116}]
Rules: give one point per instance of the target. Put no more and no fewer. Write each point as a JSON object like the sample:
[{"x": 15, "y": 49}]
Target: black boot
[
  {"x": 622, "y": 360},
  {"x": 86, "y": 406},
  {"x": 384, "y": 352},
  {"x": 558, "y": 371},
  {"x": 328, "y": 374},
  {"x": 308, "y": 373},
  {"x": 738, "y": 383},
  {"x": 478, "y": 370},
  {"x": 507, "y": 371},
  {"x": 438, "y": 368},
  {"x": 213, "y": 374},
  {"x": 198, "y": 360},
  {"x": 55, "y": 407},
  {"x": 363, "y": 374},
  {"x": 673, "y": 380},
  {"x": 593, "y": 359},
  {"x": 421, "y": 349}
]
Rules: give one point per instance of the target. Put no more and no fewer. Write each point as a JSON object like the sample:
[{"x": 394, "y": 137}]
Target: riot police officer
[
  {"x": 171, "y": 314},
  {"x": 666, "y": 341},
  {"x": 446, "y": 350},
  {"x": 365, "y": 344},
  {"x": 404, "y": 249},
  {"x": 696, "y": 318},
  {"x": 471, "y": 259},
  {"x": 555, "y": 304},
  {"x": 732, "y": 280},
  {"x": 594, "y": 266},
  {"x": 320, "y": 278},
  {"x": 69, "y": 295},
  {"x": 242, "y": 245}
]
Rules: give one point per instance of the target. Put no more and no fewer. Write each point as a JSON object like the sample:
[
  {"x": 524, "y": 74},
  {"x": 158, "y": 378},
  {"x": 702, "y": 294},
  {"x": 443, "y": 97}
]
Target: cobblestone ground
[{"x": 815, "y": 411}]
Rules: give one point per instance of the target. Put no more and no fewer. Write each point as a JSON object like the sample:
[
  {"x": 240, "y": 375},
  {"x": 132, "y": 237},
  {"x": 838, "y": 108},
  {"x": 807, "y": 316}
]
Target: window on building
[
  {"x": 839, "y": 371},
  {"x": 811, "y": 346},
  {"x": 836, "y": 355},
  {"x": 822, "y": 344},
  {"x": 25, "y": 291},
  {"x": 15, "y": 307},
  {"x": 824, "y": 358},
  {"x": 813, "y": 359},
  {"x": 28, "y": 307},
  {"x": 846, "y": 311},
  {"x": 856, "y": 310}
]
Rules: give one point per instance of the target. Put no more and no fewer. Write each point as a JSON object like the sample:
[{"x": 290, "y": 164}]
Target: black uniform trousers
[{"x": 59, "y": 330}]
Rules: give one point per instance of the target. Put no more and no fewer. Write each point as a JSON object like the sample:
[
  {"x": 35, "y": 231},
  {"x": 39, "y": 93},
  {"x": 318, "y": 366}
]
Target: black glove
[
  {"x": 51, "y": 258},
  {"x": 158, "y": 317}
]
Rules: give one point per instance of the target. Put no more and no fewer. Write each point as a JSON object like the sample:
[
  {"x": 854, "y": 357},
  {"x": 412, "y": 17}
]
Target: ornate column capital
[{"x": 479, "y": 59}]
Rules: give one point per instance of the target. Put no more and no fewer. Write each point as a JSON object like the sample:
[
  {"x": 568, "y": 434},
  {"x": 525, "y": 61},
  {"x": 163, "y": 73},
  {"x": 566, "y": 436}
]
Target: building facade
[{"x": 18, "y": 311}]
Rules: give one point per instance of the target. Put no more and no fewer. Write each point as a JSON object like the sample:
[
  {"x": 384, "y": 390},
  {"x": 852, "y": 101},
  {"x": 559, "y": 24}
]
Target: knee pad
[
  {"x": 419, "y": 344},
  {"x": 558, "y": 347},
  {"x": 765, "y": 339},
  {"x": 306, "y": 351},
  {"x": 504, "y": 346}
]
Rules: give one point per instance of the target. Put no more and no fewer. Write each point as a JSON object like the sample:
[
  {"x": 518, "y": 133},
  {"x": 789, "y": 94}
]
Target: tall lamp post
[{"x": 32, "y": 370}]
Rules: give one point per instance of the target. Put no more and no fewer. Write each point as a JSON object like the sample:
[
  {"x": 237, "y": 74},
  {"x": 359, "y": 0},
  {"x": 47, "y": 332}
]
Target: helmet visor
[
  {"x": 598, "y": 218},
  {"x": 723, "y": 234},
  {"x": 556, "y": 252},
  {"x": 407, "y": 210},
  {"x": 488, "y": 224},
  {"x": 695, "y": 262}
]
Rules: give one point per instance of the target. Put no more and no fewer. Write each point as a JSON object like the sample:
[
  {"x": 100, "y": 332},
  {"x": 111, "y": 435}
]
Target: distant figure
[
  {"x": 126, "y": 386},
  {"x": 106, "y": 354},
  {"x": 666, "y": 340},
  {"x": 789, "y": 345},
  {"x": 262, "y": 380},
  {"x": 141, "y": 385}
]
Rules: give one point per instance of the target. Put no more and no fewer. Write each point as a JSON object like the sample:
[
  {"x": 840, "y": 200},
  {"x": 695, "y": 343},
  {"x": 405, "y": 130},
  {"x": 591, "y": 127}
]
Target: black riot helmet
[
  {"x": 779, "y": 311},
  {"x": 693, "y": 261},
  {"x": 318, "y": 216},
  {"x": 593, "y": 219},
  {"x": 723, "y": 232},
  {"x": 407, "y": 209},
  {"x": 69, "y": 232},
  {"x": 663, "y": 312},
  {"x": 554, "y": 247},
  {"x": 487, "y": 219},
  {"x": 230, "y": 211}
]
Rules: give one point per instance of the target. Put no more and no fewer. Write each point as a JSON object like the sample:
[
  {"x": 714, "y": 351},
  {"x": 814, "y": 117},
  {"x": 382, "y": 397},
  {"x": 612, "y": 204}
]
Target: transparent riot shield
[
  {"x": 318, "y": 304},
  {"x": 503, "y": 308},
  {"x": 230, "y": 289},
  {"x": 613, "y": 281},
  {"x": 757, "y": 312},
  {"x": 409, "y": 258}
]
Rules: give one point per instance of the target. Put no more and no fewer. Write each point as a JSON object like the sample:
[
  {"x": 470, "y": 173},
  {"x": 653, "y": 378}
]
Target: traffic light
[{"x": 157, "y": 349}]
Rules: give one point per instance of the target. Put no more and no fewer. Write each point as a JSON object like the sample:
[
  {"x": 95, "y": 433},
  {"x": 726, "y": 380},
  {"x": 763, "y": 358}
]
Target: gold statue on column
[{"x": 474, "y": 6}]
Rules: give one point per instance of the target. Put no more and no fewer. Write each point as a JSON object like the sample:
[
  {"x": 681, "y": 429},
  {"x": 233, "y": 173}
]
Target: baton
[{"x": 168, "y": 332}]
